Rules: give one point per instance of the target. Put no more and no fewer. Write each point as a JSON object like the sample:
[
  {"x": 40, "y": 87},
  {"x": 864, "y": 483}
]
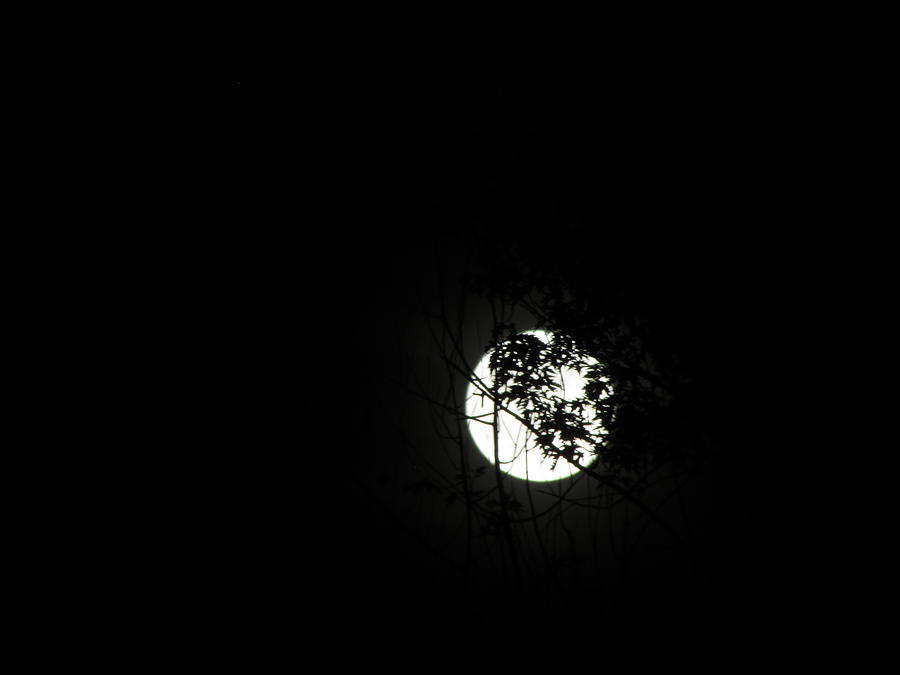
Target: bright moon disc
[{"x": 515, "y": 444}]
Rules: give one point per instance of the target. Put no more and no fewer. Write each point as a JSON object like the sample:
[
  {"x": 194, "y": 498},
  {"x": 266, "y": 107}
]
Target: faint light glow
[{"x": 516, "y": 449}]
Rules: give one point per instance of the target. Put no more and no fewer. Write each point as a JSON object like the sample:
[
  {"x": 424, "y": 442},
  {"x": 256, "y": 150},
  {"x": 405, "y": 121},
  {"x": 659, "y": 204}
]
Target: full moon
[{"x": 515, "y": 451}]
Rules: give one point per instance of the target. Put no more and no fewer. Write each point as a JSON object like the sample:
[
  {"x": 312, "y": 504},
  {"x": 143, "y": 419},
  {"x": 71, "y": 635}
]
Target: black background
[{"x": 311, "y": 197}]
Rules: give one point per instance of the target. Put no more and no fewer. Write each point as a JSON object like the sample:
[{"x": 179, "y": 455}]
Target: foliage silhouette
[{"x": 633, "y": 415}]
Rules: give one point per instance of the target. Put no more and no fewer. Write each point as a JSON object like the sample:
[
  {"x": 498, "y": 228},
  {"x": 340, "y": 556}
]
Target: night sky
[{"x": 330, "y": 206}]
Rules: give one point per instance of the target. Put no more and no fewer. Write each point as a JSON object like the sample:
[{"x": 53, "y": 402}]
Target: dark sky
[{"x": 329, "y": 203}]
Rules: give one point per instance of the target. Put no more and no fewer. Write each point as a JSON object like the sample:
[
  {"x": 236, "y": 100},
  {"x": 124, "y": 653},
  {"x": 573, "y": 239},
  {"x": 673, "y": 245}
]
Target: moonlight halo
[{"x": 515, "y": 451}]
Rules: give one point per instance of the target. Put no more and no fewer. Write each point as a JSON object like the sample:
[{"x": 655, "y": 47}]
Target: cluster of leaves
[
  {"x": 528, "y": 376},
  {"x": 638, "y": 387}
]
